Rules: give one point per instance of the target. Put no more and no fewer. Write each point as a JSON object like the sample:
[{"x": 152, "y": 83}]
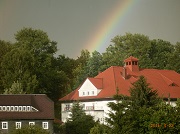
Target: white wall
[
  {"x": 99, "y": 112},
  {"x": 98, "y": 109}
]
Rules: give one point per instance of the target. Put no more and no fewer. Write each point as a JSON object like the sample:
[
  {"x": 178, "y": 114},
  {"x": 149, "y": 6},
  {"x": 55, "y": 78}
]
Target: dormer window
[
  {"x": 173, "y": 85},
  {"x": 92, "y": 92},
  {"x": 88, "y": 93}
]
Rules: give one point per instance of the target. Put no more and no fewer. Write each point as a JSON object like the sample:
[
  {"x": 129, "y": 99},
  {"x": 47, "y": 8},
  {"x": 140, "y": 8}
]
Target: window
[
  {"x": 92, "y": 92},
  {"x": 12, "y": 108},
  {"x": 67, "y": 108},
  {"x": 20, "y": 108},
  {"x": 45, "y": 125},
  {"x": 16, "y": 108},
  {"x": 129, "y": 63},
  {"x": 8, "y": 108},
  {"x": 18, "y": 125},
  {"x": 28, "y": 108},
  {"x": 87, "y": 93},
  {"x": 83, "y": 106},
  {"x": 31, "y": 123},
  {"x": 24, "y": 108},
  {"x": 4, "y": 108},
  {"x": 83, "y": 93},
  {"x": 4, "y": 125},
  {"x": 1, "y": 108}
]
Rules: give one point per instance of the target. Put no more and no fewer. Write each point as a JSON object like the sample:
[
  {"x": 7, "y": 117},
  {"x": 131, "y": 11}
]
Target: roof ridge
[{"x": 167, "y": 80}]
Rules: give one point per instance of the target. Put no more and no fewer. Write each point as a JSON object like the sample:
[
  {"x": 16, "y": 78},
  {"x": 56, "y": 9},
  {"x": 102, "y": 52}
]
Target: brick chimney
[
  {"x": 124, "y": 72},
  {"x": 132, "y": 64}
]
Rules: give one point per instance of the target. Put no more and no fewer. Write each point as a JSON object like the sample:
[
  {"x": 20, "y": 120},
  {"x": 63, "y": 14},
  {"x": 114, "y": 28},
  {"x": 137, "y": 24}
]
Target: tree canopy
[{"x": 142, "y": 112}]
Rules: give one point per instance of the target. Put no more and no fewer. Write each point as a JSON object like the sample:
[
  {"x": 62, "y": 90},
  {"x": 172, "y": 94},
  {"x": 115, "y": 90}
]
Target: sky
[{"x": 90, "y": 24}]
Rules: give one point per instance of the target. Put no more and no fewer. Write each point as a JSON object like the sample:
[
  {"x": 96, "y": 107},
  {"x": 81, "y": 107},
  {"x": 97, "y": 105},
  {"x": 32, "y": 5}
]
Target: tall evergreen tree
[
  {"x": 79, "y": 122},
  {"x": 129, "y": 114}
]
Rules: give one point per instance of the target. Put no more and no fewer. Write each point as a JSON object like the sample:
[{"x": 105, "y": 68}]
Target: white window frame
[
  {"x": 8, "y": 108},
  {"x": 6, "y": 125},
  {"x": 12, "y": 108},
  {"x": 24, "y": 108},
  {"x": 18, "y": 125},
  {"x": 45, "y": 125},
  {"x": 28, "y": 108},
  {"x": 16, "y": 108},
  {"x": 4, "y": 108},
  {"x": 31, "y": 123},
  {"x": 20, "y": 108}
]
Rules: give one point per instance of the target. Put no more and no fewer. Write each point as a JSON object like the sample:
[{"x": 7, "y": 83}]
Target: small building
[
  {"x": 21, "y": 110},
  {"x": 95, "y": 93}
]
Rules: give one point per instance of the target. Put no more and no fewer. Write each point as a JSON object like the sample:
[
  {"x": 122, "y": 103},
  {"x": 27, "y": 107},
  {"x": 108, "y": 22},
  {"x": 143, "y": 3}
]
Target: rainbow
[{"x": 103, "y": 34}]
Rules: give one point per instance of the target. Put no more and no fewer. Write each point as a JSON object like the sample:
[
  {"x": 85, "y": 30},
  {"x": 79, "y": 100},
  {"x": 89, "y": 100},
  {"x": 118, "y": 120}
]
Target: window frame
[
  {"x": 45, "y": 125},
  {"x": 18, "y": 125},
  {"x": 24, "y": 108},
  {"x": 31, "y": 123},
  {"x": 6, "y": 126}
]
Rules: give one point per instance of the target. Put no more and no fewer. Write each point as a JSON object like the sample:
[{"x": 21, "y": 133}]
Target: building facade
[
  {"x": 17, "y": 111},
  {"x": 95, "y": 93}
]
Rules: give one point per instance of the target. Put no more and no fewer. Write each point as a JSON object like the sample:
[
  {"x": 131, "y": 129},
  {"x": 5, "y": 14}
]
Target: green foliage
[
  {"x": 80, "y": 72},
  {"x": 142, "y": 95},
  {"x": 30, "y": 130},
  {"x": 17, "y": 65},
  {"x": 5, "y": 47},
  {"x": 136, "y": 45},
  {"x": 173, "y": 62},
  {"x": 93, "y": 64},
  {"x": 100, "y": 129},
  {"x": 79, "y": 122},
  {"x": 159, "y": 53},
  {"x": 16, "y": 88},
  {"x": 143, "y": 112}
]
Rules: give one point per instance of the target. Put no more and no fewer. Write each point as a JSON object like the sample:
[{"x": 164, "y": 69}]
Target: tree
[
  {"x": 129, "y": 114},
  {"x": 159, "y": 53},
  {"x": 17, "y": 65},
  {"x": 76, "y": 111},
  {"x": 142, "y": 95},
  {"x": 136, "y": 45},
  {"x": 79, "y": 122},
  {"x": 151, "y": 53},
  {"x": 16, "y": 88},
  {"x": 120, "y": 119},
  {"x": 94, "y": 63},
  {"x": 80, "y": 72},
  {"x": 66, "y": 65},
  {"x": 143, "y": 112},
  {"x": 31, "y": 62},
  {"x": 30, "y": 130},
  {"x": 173, "y": 59},
  {"x": 5, "y": 47},
  {"x": 100, "y": 129}
]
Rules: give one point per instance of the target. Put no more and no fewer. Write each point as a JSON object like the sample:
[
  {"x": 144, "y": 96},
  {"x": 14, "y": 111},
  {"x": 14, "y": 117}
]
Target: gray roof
[{"x": 41, "y": 102}]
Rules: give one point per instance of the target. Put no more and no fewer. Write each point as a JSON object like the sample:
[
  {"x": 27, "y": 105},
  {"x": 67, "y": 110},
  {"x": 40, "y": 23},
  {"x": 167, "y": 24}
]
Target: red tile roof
[
  {"x": 97, "y": 82},
  {"x": 164, "y": 81}
]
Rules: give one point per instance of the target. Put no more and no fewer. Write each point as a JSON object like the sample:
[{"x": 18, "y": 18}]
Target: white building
[{"x": 95, "y": 93}]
